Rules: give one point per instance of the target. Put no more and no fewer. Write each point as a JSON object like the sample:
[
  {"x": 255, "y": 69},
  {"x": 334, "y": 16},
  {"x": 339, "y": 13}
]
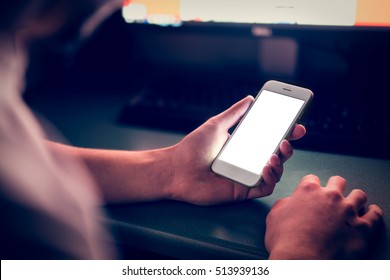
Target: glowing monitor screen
[{"x": 290, "y": 12}]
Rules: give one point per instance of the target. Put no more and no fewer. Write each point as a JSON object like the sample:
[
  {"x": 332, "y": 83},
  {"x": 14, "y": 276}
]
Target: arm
[
  {"x": 320, "y": 223},
  {"x": 180, "y": 172},
  {"x": 126, "y": 176}
]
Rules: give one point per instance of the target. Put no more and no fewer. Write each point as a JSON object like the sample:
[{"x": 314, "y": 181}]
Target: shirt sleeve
[{"x": 49, "y": 204}]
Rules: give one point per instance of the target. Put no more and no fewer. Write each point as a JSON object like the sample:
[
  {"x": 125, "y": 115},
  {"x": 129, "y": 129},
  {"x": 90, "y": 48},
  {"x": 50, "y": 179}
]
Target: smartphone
[{"x": 269, "y": 120}]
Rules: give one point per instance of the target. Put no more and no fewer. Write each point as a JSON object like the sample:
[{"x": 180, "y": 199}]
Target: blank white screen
[{"x": 262, "y": 130}]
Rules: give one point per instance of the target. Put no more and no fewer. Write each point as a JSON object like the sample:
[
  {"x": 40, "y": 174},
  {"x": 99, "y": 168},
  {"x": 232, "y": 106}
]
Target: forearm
[{"x": 124, "y": 176}]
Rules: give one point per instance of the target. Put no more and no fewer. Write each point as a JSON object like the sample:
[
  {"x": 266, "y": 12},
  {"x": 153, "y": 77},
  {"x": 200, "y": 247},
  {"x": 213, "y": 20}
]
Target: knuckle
[
  {"x": 309, "y": 186},
  {"x": 310, "y": 178},
  {"x": 361, "y": 194},
  {"x": 349, "y": 209},
  {"x": 334, "y": 195},
  {"x": 378, "y": 212}
]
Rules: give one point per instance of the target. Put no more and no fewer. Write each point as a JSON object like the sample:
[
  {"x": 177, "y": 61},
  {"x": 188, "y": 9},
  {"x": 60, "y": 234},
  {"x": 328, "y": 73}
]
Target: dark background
[
  {"x": 347, "y": 69},
  {"x": 85, "y": 90}
]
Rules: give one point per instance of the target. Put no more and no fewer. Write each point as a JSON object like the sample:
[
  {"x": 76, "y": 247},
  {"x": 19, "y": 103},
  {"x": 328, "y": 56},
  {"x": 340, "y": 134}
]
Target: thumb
[{"x": 231, "y": 116}]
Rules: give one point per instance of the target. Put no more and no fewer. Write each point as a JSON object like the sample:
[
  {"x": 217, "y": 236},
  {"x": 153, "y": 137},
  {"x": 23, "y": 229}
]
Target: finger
[
  {"x": 231, "y": 116},
  {"x": 276, "y": 167},
  {"x": 357, "y": 198},
  {"x": 285, "y": 151},
  {"x": 298, "y": 132},
  {"x": 240, "y": 192},
  {"x": 308, "y": 183},
  {"x": 310, "y": 179},
  {"x": 337, "y": 183},
  {"x": 373, "y": 216},
  {"x": 267, "y": 184}
]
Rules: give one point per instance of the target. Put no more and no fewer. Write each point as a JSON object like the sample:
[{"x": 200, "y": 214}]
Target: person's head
[
  {"x": 44, "y": 18},
  {"x": 47, "y": 29}
]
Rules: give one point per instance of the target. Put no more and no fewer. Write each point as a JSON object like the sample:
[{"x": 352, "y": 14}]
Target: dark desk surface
[
  {"x": 179, "y": 230},
  {"x": 236, "y": 231}
]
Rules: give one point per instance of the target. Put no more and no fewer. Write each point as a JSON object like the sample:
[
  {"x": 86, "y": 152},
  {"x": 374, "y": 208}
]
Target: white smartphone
[{"x": 268, "y": 121}]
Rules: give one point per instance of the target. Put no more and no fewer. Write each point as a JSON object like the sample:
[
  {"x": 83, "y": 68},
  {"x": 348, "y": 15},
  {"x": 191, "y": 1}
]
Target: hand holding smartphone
[{"x": 268, "y": 121}]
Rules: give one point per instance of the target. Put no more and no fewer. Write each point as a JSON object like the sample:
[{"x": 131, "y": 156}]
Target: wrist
[
  {"x": 165, "y": 171},
  {"x": 154, "y": 175},
  {"x": 170, "y": 189}
]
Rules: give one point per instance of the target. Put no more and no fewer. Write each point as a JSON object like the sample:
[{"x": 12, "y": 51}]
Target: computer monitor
[
  {"x": 309, "y": 42},
  {"x": 373, "y": 13},
  {"x": 337, "y": 48},
  {"x": 278, "y": 35}
]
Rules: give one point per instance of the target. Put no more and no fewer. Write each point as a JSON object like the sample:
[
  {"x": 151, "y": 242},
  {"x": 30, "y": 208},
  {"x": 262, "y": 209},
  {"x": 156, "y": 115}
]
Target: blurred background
[
  {"x": 155, "y": 70},
  {"x": 176, "y": 63}
]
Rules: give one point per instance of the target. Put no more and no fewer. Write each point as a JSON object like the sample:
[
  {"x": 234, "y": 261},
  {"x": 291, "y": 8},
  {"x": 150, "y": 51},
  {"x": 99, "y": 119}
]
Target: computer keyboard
[
  {"x": 333, "y": 125},
  {"x": 181, "y": 106}
]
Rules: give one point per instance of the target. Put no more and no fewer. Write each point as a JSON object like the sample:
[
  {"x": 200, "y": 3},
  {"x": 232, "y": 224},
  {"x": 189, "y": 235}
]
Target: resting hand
[
  {"x": 192, "y": 178},
  {"x": 320, "y": 223}
]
